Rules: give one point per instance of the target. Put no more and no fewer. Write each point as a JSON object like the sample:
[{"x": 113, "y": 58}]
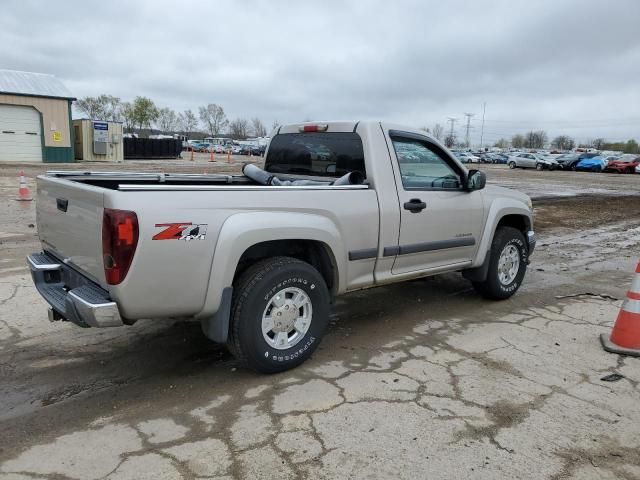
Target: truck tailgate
[{"x": 69, "y": 216}]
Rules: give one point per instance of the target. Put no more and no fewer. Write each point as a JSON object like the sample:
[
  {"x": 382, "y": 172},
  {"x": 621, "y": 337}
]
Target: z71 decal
[{"x": 181, "y": 231}]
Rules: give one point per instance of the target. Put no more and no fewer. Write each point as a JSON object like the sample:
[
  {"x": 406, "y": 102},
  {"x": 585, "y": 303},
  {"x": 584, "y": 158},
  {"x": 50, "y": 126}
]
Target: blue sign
[{"x": 100, "y": 126}]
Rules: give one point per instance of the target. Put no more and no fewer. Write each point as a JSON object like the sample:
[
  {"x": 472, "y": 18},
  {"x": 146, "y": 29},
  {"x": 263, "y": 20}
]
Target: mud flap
[
  {"x": 216, "y": 327},
  {"x": 478, "y": 274}
]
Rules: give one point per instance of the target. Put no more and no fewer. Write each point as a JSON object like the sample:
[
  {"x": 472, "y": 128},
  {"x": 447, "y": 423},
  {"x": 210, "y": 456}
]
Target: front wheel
[
  {"x": 512, "y": 165},
  {"x": 507, "y": 265},
  {"x": 280, "y": 311},
  {"x": 539, "y": 166}
]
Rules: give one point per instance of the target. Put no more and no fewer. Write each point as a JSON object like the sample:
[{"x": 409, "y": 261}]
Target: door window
[{"x": 423, "y": 167}]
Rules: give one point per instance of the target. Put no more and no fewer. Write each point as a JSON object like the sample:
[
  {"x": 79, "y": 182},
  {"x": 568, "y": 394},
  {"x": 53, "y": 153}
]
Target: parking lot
[{"x": 415, "y": 380}]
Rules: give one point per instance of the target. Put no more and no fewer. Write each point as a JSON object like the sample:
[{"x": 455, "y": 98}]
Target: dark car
[
  {"x": 499, "y": 158},
  {"x": 569, "y": 161}
]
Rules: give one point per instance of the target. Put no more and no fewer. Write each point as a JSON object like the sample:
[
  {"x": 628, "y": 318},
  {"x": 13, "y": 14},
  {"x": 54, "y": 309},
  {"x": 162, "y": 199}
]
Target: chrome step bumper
[{"x": 72, "y": 296}]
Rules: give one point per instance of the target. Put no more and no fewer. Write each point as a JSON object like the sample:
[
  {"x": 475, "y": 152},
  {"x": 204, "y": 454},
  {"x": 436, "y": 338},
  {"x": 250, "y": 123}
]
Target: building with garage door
[{"x": 35, "y": 118}]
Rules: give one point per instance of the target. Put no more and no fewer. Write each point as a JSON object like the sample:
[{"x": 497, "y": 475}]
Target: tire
[
  {"x": 253, "y": 295},
  {"x": 539, "y": 167},
  {"x": 512, "y": 165},
  {"x": 574, "y": 167},
  {"x": 492, "y": 287}
]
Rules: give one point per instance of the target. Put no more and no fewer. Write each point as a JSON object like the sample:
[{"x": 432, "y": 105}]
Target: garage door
[{"x": 20, "y": 137}]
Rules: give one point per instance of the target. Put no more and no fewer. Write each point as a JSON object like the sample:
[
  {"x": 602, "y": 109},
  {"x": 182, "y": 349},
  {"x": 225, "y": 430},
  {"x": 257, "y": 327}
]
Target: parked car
[
  {"x": 573, "y": 159},
  {"x": 593, "y": 164},
  {"x": 466, "y": 157},
  {"x": 531, "y": 160},
  {"x": 624, "y": 164},
  {"x": 258, "y": 259},
  {"x": 500, "y": 158}
]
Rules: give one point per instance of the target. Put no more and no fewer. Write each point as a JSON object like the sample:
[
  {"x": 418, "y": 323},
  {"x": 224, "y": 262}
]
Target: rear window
[{"x": 318, "y": 154}]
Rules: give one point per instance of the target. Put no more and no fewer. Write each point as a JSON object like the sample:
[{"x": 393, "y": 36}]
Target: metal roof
[{"x": 33, "y": 84}]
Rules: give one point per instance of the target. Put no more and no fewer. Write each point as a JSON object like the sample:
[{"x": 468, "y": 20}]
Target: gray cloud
[{"x": 566, "y": 66}]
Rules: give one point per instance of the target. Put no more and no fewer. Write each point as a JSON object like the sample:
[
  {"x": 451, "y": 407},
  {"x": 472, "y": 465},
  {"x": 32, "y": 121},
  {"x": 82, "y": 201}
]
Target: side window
[{"x": 422, "y": 167}]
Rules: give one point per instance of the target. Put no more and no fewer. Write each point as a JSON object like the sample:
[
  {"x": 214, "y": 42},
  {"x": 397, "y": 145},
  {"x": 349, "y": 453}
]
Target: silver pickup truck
[{"x": 257, "y": 258}]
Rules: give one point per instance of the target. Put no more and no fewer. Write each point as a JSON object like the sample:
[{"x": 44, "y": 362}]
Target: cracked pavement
[{"x": 416, "y": 380}]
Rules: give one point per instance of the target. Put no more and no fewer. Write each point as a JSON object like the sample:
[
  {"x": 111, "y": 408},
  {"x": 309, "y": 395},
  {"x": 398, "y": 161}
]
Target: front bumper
[
  {"x": 71, "y": 295},
  {"x": 531, "y": 241}
]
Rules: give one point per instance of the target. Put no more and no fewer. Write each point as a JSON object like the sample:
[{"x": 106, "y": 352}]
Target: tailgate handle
[{"x": 62, "y": 204}]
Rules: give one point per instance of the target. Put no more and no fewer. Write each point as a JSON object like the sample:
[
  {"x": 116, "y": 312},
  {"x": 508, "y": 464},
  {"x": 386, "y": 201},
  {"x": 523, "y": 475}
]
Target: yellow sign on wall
[{"x": 57, "y": 136}]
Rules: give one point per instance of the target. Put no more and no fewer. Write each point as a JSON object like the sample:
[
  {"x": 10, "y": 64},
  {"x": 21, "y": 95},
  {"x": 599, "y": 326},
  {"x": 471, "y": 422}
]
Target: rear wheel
[
  {"x": 539, "y": 166},
  {"x": 512, "y": 165},
  {"x": 279, "y": 314},
  {"x": 507, "y": 265}
]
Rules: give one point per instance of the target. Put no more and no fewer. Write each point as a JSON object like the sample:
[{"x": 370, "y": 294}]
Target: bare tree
[
  {"x": 563, "y": 142},
  {"x": 258, "y": 128},
  {"x": 275, "y": 125},
  {"x": 102, "y": 107},
  {"x": 112, "y": 108},
  {"x": 187, "y": 122},
  {"x": 92, "y": 107},
  {"x": 597, "y": 143},
  {"x": 535, "y": 139},
  {"x": 425, "y": 129},
  {"x": 167, "y": 120},
  {"x": 450, "y": 140},
  {"x": 517, "y": 141},
  {"x": 214, "y": 119},
  {"x": 502, "y": 143},
  {"x": 239, "y": 128},
  {"x": 438, "y": 131}
]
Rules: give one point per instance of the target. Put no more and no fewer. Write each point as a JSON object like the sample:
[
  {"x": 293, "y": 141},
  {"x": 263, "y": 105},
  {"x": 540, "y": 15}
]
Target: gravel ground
[{"x": 416, "y": 380}]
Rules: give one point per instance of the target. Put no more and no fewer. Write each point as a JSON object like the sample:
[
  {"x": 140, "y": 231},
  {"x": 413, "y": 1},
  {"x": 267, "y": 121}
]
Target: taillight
[
  {"x": 314, "y": 128},
  {"x": 119, "y": 242}
]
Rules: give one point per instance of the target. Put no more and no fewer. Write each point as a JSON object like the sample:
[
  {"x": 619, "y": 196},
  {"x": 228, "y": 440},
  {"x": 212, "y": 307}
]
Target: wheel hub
[
  {"x": 286, "y": 318},
  {"x": 508, "y": 264}
]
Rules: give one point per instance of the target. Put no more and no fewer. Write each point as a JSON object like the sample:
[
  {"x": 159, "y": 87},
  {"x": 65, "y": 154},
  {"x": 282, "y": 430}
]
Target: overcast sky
[{"x": 570, "y": 67}]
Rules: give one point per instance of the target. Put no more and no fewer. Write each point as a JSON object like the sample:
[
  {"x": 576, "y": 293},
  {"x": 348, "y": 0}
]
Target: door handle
[{"x": 415, "y": 205}]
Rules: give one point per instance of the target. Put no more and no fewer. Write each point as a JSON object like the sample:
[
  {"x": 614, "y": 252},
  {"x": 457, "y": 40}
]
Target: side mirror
[{"x": 476, "y": 180}]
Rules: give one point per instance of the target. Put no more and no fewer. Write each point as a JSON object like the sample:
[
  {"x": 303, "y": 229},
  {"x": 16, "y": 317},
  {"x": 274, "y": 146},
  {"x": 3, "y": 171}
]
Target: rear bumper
[{"x": 71, "y": 295}]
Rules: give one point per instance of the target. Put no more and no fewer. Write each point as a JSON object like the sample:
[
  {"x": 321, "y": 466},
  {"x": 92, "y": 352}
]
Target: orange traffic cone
[
  {"x": 23, "y": 192},
  {"x": 625, "y": 337}
]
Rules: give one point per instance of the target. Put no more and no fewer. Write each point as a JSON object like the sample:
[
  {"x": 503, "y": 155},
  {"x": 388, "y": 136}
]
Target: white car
[{"x": 466, "y": 157}]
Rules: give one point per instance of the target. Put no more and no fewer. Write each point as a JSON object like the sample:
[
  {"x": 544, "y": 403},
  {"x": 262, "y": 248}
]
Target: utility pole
[
  {"x": 466, "y": 138},
  {"x": 452, "y": 121},
  {"x": 484, "y": 106}
]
